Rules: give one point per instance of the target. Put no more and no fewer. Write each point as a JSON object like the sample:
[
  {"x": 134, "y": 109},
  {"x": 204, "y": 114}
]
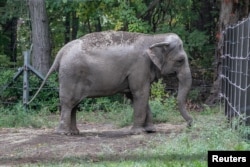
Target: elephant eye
[{"x": 180, "y": 61}]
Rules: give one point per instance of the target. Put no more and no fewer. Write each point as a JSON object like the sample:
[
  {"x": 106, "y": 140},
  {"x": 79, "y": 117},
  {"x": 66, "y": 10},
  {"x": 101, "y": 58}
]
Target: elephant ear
[{"x": 154, "y": 55}]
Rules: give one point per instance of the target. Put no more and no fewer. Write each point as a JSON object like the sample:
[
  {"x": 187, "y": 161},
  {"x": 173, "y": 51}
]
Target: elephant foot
[
  {"x": 189, "y": 123},
  {"x": 150, "y": 128},
  {"x": 137, "y": 130},
  {"x": 75, "y": 131},
  {"x": 67, "y": 131}
]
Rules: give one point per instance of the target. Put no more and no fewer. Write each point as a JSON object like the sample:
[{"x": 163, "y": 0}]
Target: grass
[
  {"x": 189, "y": 148},
  {"x": 210, "y": 132},
  {"x": 19, "y": 117}
]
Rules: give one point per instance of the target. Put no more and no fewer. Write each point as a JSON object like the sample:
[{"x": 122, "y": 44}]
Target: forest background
[{"x": 49, "y": 24}]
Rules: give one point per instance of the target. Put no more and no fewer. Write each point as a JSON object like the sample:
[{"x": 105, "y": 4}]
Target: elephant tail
[{"x": 53, "y": 68}]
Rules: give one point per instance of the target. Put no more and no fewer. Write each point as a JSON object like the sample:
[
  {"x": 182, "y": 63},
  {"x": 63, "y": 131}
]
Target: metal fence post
[{"x": 26, "y": 55}]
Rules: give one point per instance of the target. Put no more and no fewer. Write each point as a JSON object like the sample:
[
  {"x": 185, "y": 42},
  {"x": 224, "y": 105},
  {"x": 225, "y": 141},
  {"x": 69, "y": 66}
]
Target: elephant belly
[{"x": 100, "y": 88}]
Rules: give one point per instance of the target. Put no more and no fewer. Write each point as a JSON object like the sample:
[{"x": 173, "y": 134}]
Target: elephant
[{"x": 110, "y": 62}]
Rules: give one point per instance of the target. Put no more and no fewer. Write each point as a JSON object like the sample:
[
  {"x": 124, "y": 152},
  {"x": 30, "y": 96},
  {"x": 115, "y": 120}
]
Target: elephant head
[{"x": 170, "y": 57}]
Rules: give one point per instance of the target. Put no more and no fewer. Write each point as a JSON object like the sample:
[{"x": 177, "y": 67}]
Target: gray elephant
[{"x": 106, "y": 63}]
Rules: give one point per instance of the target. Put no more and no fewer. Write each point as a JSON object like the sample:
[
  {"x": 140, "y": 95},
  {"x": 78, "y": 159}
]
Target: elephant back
[{"x": 109, "y": 38}]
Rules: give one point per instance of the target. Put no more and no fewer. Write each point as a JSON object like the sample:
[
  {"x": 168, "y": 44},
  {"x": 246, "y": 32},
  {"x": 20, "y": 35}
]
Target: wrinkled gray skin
[{"x": 106, "y": 63}]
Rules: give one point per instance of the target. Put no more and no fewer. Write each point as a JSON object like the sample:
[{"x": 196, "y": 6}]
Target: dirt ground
[{"x": 28, "y": 145}]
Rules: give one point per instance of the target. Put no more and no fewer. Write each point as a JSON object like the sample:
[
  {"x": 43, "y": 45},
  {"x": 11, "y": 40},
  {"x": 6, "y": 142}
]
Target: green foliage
[
  {"x": 12, "y": 90},
  {"x": 3, "y": 39},
  {"x": 194, "y": 95},
  {"x": 196, "y": 40},
  {"x": 4, "y": 61},
  {"x": 163, "y": 109},
  {"x": 138, "y": 26},
  {"x": 104, "y": 104},
  {"x": 5, "y": 76},
  {"x": 136, "y": 16},
  {"x": 158, "y": 90},
  {"x": 240, "y": 125},
  {"x": 162, "y": 104},
  {"x": 19, "y": 117},
  {"x": 13, "y": 13},
  {"x": 10, "y": 93},
  {"x": 23, "y": 37},
  {"x": 49, "y": 95}
]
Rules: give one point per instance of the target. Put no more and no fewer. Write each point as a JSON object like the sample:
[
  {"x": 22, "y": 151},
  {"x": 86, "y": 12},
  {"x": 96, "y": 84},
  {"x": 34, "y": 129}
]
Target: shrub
[
  {"x": 158, "y": 90},
  {"x": 163, "y": 109},
  {"x": 11, "y": 91}
]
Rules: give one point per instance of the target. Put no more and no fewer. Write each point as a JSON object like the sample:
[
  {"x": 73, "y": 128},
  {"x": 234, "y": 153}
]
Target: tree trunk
[
  {"x": 10, "y": 30},
  {"x": 40, "y": 36},
  {"x": 98, "y": 26},
  {"x": 75, "y": 25},
  {"x": 89, "y": 26},
  {"x": 67, "y": 28},
  {"x": 71, "y": 26},
  {"x": 230, "y": 12}
]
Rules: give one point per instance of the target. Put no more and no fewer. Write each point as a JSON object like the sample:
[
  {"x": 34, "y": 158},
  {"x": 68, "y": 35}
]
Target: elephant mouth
[{"x": 170, "y": 74}]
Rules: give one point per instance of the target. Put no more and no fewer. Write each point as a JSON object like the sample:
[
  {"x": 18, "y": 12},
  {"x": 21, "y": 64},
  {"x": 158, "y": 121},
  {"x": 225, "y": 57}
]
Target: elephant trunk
[{"x": 185, "y": 82}]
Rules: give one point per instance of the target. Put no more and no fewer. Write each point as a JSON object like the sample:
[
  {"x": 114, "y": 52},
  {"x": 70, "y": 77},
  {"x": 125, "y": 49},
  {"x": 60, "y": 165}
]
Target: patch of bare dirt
[{"x": 27, "y": 145}]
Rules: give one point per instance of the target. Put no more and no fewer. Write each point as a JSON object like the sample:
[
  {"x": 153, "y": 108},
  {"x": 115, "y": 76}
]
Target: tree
[
  {"x": 40, "y": 36},
  {"x": 8, "y": 25},
  {"x": 231, "y": 11}
]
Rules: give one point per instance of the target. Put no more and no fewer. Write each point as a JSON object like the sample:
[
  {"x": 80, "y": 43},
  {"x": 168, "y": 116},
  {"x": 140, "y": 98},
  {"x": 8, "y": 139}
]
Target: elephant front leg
[
  {"x": 148, "y": 125},
  {"x": 140, "y": 105}
]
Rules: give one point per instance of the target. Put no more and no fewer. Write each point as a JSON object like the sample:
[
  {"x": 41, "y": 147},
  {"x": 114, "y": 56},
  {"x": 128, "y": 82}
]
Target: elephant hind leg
[
  {"x": 73, "y": 127},
  {"x": 65, "y": 120},
  {"x": 67, "y": 123},
  {"x": 70, "y": 96}
]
